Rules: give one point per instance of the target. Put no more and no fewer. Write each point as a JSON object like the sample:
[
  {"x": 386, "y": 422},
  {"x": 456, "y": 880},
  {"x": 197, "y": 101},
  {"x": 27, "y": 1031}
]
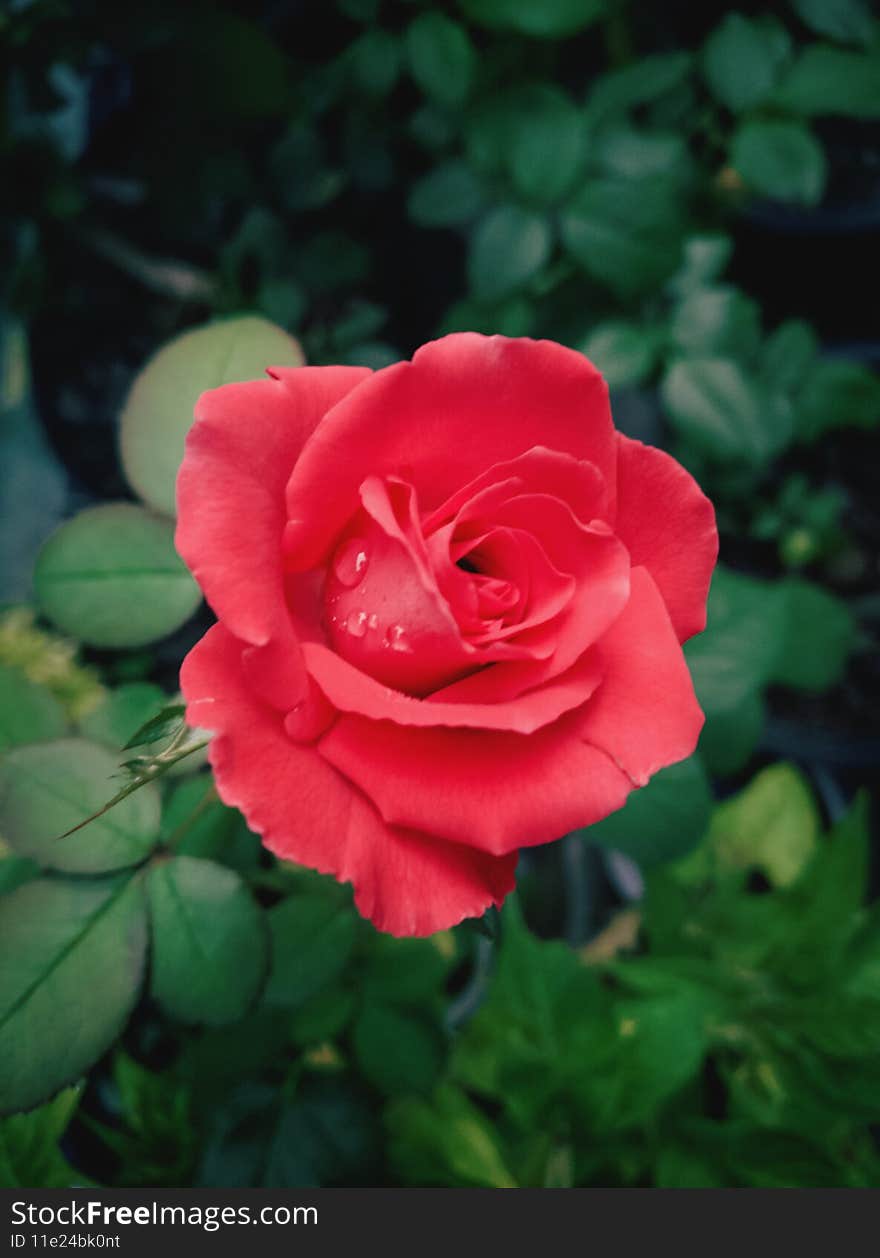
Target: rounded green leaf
[
  {"x": 626, "y": 233},
  {"x": 849, "y": 21},
  {"x": 441, "y": 57},
  {"x": 713, "y": 403},
  {"x": 508, "y": 248},
  {"x": 398, "y": 1051},
  {"x": 447, "y": 196},
  {"x": 826, "y": 80},
  {"x": 742, "y": 60},
  {"x": 624, "y": 352},
  {"x": 122, "y": 712},
  {"x": 547, "y": 144},
  {"x": 111, "y": 577},
  {"x": 47, "y": 788},
  {"x": 28, "y": 712},
  {"x": 547, "y": 19},
  {"x": 210, "y": 943},
  {"x": 159, "y": 409},
  {"x": 772, "y": 825},
  {"x": 662, "y": 821},
  {"x": 781, "y": 160},
  {"x": 312, "y": 942},
  {"x": 716, "y": 320},
  {"x": 72, "y": 958}
]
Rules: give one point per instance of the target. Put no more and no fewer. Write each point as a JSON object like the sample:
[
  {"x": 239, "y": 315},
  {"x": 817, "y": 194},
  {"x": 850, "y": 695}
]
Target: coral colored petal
[
  {"x": 495, "y": 791},
  {"x": 407, "y": 883},
  {"x": 230, "y": 494},
  {"x": 668, "y": 526},
  {"x": 645, "y": 714},
  {"x": 463, "y": 403},
  {"x": 350, "y": 690}
]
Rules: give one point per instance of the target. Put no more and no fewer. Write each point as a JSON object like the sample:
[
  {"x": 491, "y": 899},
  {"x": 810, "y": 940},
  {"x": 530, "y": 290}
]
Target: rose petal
[
  {"x": 230, "y": 497},
  {"x": 307, "y": 812},
  {"x": 462, "y": 403},
  {"x": 496, "y": 791},
  {"x": 668, "y": 526},
  {"x": 645, "y": 714},
  {"x": 350, "y": 690}
]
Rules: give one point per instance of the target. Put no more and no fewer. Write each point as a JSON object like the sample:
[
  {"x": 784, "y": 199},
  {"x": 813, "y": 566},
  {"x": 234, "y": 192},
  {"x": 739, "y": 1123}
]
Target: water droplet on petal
[
  {"x": 356, "y": 624},
  {"x": 397, "y": 639},
  {"x": 350, "y": 562},
  {"x": 373, "y": 621}
]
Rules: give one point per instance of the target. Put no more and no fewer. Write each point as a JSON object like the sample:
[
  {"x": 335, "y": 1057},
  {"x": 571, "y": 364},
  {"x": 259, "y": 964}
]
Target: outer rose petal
[
  {"x": 463, "y": 404},
  {"x": 407, "y": 883},
  {"x": 230, "y": 488},
  {"x": 645, "y": 714},
  {"x": 497, "y": 791},
  {"x": 668, "y": 526}
]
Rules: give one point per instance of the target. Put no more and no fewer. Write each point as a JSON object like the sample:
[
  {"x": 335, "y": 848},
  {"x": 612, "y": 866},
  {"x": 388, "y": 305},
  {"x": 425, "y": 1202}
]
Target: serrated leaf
[
  {"x": 713, "y": 403},
  {"x": 48, "y": 788},
  {"x": 210, "y": 941},
  {"x": 716, "y": 320},
  {"x": 159, "y": 409},
  {"x": 111, "y": 577},
  {"x": 625, "y": 353},
  {"x": 72, "y": 958}
]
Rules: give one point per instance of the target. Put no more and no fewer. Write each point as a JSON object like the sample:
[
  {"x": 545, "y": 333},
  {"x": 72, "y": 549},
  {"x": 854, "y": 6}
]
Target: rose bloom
[{"x": 451, "y": 600}]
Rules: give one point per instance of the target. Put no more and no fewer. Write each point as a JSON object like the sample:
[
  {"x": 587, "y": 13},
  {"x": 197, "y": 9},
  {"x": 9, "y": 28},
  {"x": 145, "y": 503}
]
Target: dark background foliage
[{"x": 687, "y": 994}]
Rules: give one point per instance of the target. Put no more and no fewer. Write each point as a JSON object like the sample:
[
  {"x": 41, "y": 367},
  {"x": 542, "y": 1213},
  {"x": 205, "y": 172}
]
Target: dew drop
[
  {"x": 373, "y": 621},
  {"x": 356, "y": 624},
  {"x": 397, "y": 639},
  {"x": 350, "y": 563}
]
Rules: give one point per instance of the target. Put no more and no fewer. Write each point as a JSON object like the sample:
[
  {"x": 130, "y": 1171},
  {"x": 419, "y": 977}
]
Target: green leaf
[
  {"x": 628, "y": 153},
  {"x": 28, "y": 712},
  {"x": 662, "y": 821},
  {"x": 719, "y": 320},
  {"x": 713, "y": 403},
  {"x": 849, "y": 21},
  {"x": 547, "y": 145},
  {"x": 732, "y": 731},
  {"x": 781, "y": 160},
  {"x": 772, "y": 825},
  {"x": 551, "y": 19},
  {"x": 111, "y": 577},
  {"x": 163, "y": 725},
  {"x": 408, "y": 971},
  {"x": 398, "y": 1051},
  {"x": 210, "y": 943},
  {"x": 508, "y": 247},
  {"x": 446, "y": 1141},
  {"x": 825, "y": 80},
  {"x": 449, "y": 195},
  {"x": 819, "y": 634},
  {"x": 646, "y": 80},
  {"x": 196, "y": 823},
  {"x": 742, "y": 60},
  {"x": 441, "y": 57},
  {"x": 313, "y": 938},
  {"x": 121, "y": 713},
  {"x": 625, "y": 233},
  {"x": 15, "y": 871},
  {"x": 787, "y": 355},
  {"x": 47, "y": 788},
  {"x": 72, "y": 957},
  {"x": 374, "y": 58},
  {"x": 159, "y": 409},
  {"x": 705, "y": 258},
  {"x": 625, "y": 353},
  {"x": 836, "y": 393},
  {"x": 29, "y": 1153}
]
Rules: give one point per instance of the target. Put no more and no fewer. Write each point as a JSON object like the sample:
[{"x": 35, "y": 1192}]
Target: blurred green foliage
[{"x": 188, "y": 192}]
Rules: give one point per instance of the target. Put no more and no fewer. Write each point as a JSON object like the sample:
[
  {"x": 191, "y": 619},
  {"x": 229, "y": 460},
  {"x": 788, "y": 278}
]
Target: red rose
[{"x": 450, "y": 602}]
